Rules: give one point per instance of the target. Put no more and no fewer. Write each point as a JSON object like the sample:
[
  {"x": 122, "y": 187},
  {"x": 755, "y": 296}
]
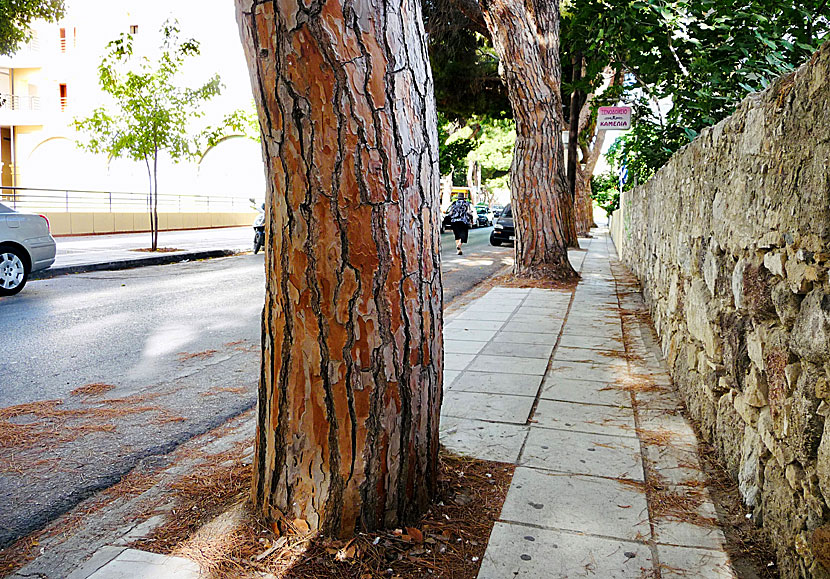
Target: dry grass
[
  {"x": 203, "y": 355},
  {"x": 230, "y": 389},
  {"x": 449, "y": 541},
  {"x": 157, "y": 250},
  {"x": 510, "y": 280},
  {"x": 93, "y": 389}
]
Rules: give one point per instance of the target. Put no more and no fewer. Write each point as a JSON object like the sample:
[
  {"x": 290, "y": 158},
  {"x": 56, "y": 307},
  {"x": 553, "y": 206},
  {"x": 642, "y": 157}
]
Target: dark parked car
[
  {"x": 503, "y": 231},
  {"x": 484, "y": 218}
]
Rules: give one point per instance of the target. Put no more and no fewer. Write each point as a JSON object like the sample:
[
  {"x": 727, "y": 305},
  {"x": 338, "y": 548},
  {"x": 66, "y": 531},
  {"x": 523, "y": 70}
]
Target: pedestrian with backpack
[{"x": 461, "y": 218}]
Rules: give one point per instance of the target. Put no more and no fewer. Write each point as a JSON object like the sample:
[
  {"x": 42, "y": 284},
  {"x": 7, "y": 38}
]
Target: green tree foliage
[
  {"x": 151, "y": 115},
  {"x": 605, "y": 191},
  {"x": 454, "y": 144},
  {"x": 494, "y": 151},
  {"x": 16, "y": 17},
  {"x": 698, "y": 58}
]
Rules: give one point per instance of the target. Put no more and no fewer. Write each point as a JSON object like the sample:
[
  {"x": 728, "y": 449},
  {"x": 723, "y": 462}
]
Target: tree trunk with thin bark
[
  {"x": 591, "y": 152},
  {"x": 526, "y": 38},
  {"x": 350, "y": 388}
]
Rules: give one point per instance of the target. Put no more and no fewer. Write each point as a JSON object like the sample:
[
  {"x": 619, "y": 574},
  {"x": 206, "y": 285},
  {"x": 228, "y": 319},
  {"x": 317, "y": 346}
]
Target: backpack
[{"x": 459, "y": 212}]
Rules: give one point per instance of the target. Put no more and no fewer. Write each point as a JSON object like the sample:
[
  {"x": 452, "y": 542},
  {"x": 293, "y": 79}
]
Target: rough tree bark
[
  {"x": 525, "y": 36},
  {"x": 350, "y": 388}
]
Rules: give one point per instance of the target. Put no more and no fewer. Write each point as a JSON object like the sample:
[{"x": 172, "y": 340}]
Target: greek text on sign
[{"x": 614, "y": 118}]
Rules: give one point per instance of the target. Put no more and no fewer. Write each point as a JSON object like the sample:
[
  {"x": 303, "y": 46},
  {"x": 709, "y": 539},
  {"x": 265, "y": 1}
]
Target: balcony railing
[
  {"x": 32, "y": 200},
  {"x": 13, "y": 102}
]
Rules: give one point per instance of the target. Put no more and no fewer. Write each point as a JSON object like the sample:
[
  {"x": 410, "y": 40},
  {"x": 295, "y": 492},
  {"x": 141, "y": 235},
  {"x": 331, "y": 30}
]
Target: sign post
[{"x": 614, "y": 118}]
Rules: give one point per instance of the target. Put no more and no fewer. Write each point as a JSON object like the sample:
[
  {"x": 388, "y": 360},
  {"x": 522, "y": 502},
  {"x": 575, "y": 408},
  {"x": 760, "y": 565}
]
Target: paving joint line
[
  {"x": 652, "y": 543},
  {"x": 572, "y": 532},
  {"x": 548, "y": 367}
]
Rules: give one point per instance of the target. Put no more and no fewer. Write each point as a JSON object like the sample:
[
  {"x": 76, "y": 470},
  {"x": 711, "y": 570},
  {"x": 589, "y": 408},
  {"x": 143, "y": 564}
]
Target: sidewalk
[
  {"x": 105, "y": 252},
  {"x": 569, "y": 386}
]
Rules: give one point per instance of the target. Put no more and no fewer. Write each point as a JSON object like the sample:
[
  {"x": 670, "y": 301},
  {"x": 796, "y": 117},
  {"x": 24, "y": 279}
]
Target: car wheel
[
  {"x": 493, "y": 240},
  {"x": 13, "y": 271}
]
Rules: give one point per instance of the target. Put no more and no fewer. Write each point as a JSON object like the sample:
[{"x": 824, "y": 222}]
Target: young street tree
[
  {"x": 16, "y": 19},
  {"x": 152, "y": 115},
  {"x": 350, "y": 388}
]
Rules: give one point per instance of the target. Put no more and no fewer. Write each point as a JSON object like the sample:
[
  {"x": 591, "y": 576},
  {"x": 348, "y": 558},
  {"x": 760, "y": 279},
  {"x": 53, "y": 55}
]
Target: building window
[
  {"x": 133, "y": 28},
  {"x": 63, "y": 39},
  {"x": 64, "y": 98}
]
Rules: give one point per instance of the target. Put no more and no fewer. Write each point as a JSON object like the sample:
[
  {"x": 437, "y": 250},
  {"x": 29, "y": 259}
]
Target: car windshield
[
  {"x": 5, "y": 209},
  {"x": 507, "y": 212}
]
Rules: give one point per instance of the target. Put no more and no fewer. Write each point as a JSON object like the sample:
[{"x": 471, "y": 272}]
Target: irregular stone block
[
  {"x": 810, "y": 337},
  {"x": 786, "y": 303},
  {"x": 774, "y": 262},
  {"x": 699, "y": 318},
  {"x": 823, "y": 463},
  {"x": 755, "y": 388},
  {"x": 749, "y": 475}
]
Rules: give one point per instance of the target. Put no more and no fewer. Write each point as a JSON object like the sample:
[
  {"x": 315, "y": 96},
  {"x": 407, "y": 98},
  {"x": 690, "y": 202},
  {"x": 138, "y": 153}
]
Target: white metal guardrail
[{"x": 34, "y": 200}]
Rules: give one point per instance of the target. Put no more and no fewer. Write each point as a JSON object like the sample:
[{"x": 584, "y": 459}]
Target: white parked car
[{"x": 26, "y": 245}]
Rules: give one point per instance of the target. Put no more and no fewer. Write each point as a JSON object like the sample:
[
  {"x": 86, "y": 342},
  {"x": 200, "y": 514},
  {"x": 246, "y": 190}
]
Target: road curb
[{"x": 133, "y": 263}]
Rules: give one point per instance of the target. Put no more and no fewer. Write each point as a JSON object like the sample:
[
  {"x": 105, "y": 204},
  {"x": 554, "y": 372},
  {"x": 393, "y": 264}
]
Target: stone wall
[{"x": 731, "y": 243}]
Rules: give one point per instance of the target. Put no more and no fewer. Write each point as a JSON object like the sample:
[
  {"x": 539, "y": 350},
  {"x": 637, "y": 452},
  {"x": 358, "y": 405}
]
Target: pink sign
[{"x": 614, "y": 118}]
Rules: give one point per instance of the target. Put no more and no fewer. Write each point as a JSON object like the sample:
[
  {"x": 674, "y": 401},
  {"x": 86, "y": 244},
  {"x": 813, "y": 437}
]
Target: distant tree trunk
[
  {"x": 591, "y": 152},
  {"x": 526, "y": 38},
  {"x": 573, "y": 144},
  {"x": 350, "y": 388}
]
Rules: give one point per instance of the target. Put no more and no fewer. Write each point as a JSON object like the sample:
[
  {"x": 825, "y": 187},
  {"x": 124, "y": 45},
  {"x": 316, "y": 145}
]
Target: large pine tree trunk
[
  {"x": 526, "y": 38},
  {"x": 350, "y": 389}
]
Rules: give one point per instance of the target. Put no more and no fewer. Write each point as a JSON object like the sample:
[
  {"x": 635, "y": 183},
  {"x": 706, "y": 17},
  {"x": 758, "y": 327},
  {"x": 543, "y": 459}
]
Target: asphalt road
[{"x": 175, "y": 349}]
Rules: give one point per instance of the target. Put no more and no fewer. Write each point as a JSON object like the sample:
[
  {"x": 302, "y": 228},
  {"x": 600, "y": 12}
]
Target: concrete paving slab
[
  {"x": 676, "y": 466},
  {"x": 700, "y": 563},
  {"x": 584, "y": 391},
  {"x": 493, "y": 305},
  {"x": 462, "y": 346},
  {"x": 572, "y": 340},
  {"x": 465, "y": 324},
  {"x": 509, "y": 336},
  {"x": 587, "y": 356},
  {"x": 480, "y": 406},
  {"x": 485, "y": 314},
  {"x": 514, "y": 291},
  {"x": 449, "y": 377},
  {"x": 99, "y": 558},
  {"x": 520, "y": 552},
  {"x": 615, "y": 421},
  {"x": 484, "y": 440},
  {"x": 557, "y": 312},
  {"x": 526, "y": 323},
  {"x": 468, "y": 334},
  {"x": 684, "y": 534},
  {"x": 497, "y": 383},
  {"x": 607, "y": 333},
  {"x": 522, "y": 350},
  {"x": 591, "y": 505},
  {"x": 512, "y": 364},
  {"x": 671, "y": 426},
  {"x": 610, "y": 372},
  {"x": 582, "y": 453},
  {"x": 135, "y": 564},
  {"x": 457, "y": 361}
]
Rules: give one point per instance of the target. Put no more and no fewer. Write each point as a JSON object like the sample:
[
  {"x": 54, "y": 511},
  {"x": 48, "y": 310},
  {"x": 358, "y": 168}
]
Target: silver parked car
[{"x": 26, "y": 245}]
